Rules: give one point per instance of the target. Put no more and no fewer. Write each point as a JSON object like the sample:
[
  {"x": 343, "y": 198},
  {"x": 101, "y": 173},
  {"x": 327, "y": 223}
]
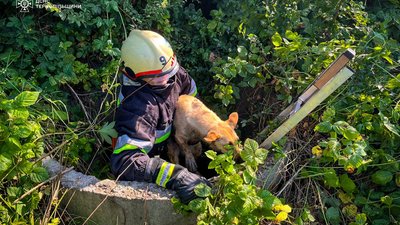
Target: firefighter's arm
[{"x": 188, "y": 85}]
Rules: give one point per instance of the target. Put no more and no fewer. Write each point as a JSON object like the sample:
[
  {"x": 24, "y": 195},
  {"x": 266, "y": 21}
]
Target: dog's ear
[
  {"x": 211, "y": 136},
  {"x": 233, "y": 119}
]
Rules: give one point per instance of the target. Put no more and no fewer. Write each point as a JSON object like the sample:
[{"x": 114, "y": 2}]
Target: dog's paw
[{"x": 191, "y": 165}]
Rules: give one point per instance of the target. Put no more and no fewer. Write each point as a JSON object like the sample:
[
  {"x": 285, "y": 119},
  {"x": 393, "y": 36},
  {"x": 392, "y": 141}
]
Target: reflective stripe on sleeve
[
  {"x": 165, "y": 174},
  {"x": 124, "y": 142},
  {"x": 125, "y": 147},
  {"x": 162, "y": 135},
  {"x": 193, "y": 88},
  {"x": 120, "y": 98}
]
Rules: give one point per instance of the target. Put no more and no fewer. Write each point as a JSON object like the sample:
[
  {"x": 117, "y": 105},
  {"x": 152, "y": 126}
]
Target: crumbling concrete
[{"x": 106, "y": 202}]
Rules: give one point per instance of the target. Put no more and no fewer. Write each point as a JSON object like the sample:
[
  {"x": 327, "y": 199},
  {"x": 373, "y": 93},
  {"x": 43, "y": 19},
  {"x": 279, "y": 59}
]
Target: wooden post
[{"x": 309, "y": 106}]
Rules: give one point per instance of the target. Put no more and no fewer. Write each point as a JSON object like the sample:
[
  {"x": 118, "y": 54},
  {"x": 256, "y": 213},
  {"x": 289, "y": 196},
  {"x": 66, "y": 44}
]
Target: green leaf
[
  {"x": 198, "y": 205},
  {"x": 276, "y": 39},
  {"x": 335, "y": 147},
  {"x": 307, "y": 216},
  {"x": 340, "y": 126},
  {"x": 211, "y": 209},
  {"x": 21, "y": 131},
  {"x": 345, "y": 198},
  {"x": 394, "y": 82},
  {"x": 212, "y": 25},
  {"x": 331, "y": 179},
  {"x": 248, "y": 206},
  {"x": 387, "y": 200},
  {"x": 247, "y": 154},
  {"x": 39, "y": 174},
  {"x": 14, "y": 192},
  {"x": 211, "y": 154},
  {"x": 261, "y": 155},
  {"x": 390, "y": 60},
  {"x": 15, "y": 114},
  {"x": 355, "y": 161},
  {"x": 361, "y": 219},
  {"x": 323, "y": 127},
  {"x": 242, "y": 52},
  {"x": 347, "y": 184},
  {"x": 351, "y": 133},
  {"x": 343, "y": 128},
  {"x": 382, "y": 177},
  {"x": 202, "y": 190},
  {"x": 251, "y": 154},
  {"x": 380, "y": 222},
  {"x": 19, "y": 208},
  {"x": 333, "y": 215},
  {"x": 350, "y": 210},
  {"x": 328, "y": 115},
  {"x": 249, "y": 175},
  {"x": 26, "y": 98},
  {"x": 252, "y": 70},
  {"x": 291, "y": 35},
  {"x": 13, "y": 145},
  {"x": 107, "y": 132},
  {"x": 392, "y": 128},
  {"x": 59, "y": 115},
  {"x": 228, "y": 167},
  {"x": 5, "y": 163}
]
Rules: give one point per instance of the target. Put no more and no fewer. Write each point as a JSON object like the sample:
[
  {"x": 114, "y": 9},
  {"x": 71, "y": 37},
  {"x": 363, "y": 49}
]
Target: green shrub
[{"x": 20, "y": 146}]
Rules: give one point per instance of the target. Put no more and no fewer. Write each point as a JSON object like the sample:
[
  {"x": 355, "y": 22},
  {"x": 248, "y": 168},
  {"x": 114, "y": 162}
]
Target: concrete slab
[{"x": 107, "y": 202}]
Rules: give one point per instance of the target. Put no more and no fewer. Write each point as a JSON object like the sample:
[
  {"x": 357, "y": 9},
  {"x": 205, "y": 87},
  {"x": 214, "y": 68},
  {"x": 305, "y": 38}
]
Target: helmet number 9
[{"x": 163, "y": 60}]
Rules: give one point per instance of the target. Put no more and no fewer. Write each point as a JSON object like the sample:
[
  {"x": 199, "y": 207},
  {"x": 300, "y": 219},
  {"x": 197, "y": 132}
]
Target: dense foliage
[
  {"x": 252, "y": 56},
  {"x": 235, "y": 199}
]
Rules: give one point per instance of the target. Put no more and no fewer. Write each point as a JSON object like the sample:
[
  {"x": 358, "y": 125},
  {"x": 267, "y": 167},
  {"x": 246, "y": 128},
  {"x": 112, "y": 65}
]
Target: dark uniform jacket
[{"x": 144, "y": 120}]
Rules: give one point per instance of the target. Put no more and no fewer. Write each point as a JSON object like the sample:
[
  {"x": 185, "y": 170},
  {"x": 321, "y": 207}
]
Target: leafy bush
[
  {"x": 70, "y": 57},
  {"x": 20, "y": 146},
  {"x": 235, "y": 199}
]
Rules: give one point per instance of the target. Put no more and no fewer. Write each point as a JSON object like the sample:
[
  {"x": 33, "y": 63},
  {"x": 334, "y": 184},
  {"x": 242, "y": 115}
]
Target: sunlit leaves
[
  {"x": 202, "y": 190},
  {"x": 18, "y": 149},
  {"x": 346, "y": 130},
  {"x": 345, "y": 146},
  {"x": 5, "y": 163},
  {"x": 361, "y": 219},
  {"x": 276, "y": 39},
  {"x": 235, "y": 197},
  {"x": 252, "y": 154},
  {"x": 26, "y": 98}
]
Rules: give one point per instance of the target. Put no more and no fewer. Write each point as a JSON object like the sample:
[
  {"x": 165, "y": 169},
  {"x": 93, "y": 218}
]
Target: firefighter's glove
[
  {"x": 175, "y": 177},
  {"x": 184, "y": 183}
]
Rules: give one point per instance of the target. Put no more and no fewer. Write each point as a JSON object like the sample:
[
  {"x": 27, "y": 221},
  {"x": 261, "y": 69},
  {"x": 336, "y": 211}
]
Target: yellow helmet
[{"x": 147, "y": 54}]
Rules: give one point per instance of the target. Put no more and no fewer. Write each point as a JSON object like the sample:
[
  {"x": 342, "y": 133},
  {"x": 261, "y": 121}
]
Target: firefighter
[{"x": 152, "y": 81}]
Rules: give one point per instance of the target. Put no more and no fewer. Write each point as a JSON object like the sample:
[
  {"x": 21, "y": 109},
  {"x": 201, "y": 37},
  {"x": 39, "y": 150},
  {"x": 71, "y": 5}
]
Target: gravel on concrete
[{"x": 124, "y": 189}]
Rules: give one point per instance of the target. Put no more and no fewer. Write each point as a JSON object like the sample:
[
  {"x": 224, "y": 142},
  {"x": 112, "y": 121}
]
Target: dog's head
[{"x": 224, "y": 134}]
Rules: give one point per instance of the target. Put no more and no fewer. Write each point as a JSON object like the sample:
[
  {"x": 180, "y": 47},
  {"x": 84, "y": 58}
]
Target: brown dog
[
  {"x": 194, "y": 122},
  {"x": 174, "y": 150}
]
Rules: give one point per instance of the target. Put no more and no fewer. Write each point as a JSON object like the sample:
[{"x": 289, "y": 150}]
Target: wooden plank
[
  {"x": 334, "y": 68},
  {"x": 322, "y": 79},
  {"x": 308, "y": 107}
]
